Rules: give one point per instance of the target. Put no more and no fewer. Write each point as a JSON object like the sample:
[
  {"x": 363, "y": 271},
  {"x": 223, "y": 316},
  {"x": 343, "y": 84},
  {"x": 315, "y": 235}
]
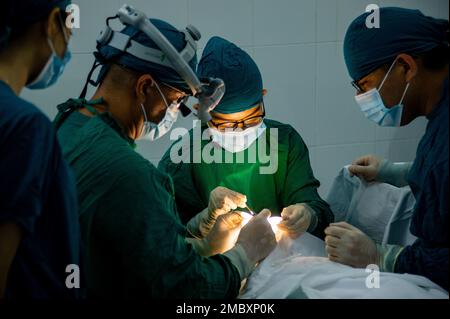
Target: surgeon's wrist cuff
[
  {"x": 394, "y": 173},
  {"x": 200, "y": 246},
  {"x": 388, "y": 255},
  {"x": 314, "y": 219},
  {"x": 240, "y": 260},
  {"x": 192, "y": 228},
  {"x": 198, "y": 226}
]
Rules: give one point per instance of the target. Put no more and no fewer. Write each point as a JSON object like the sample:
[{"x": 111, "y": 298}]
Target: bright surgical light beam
[{"x": 273, "y": 221}]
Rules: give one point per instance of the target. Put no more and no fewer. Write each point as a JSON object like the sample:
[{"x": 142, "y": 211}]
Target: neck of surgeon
[
  {"x": 425, "y": 86},
  {"x": 118, "y": 106},
  {"x": 433, "y": 86},
  {"x": 14, "y": 68}
]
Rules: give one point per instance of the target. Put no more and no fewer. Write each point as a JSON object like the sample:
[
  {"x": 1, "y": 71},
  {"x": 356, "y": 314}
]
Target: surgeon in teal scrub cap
[
  {"x": 290, "y": 191},
  {"x": 136, "y": 246}
]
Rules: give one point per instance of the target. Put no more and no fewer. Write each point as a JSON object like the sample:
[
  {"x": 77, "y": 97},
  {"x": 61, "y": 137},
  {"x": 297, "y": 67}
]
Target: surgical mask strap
[
  {"x": 66, "y": 38},
  {"x": 145, "y": 113},
  {"x": 52, "y": 47},
  {"x": 387, "y": 74},
  {"x": 385, "y": 78},
  {"x": 404, "y": 93},
  {"x": 162, "y": 95}
]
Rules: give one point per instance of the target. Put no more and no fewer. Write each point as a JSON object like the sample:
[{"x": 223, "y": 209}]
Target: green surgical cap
[{"x": 243, "y": 81}]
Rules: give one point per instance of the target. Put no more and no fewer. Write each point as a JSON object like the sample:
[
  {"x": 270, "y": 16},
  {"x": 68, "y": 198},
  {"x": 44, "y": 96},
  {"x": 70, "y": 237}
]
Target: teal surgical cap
[
  {"x": 243, "y": 82},
  {"x": 17, "y": 15},
  {"x": 401, "y": 31},
  {"x": 107, "y": 54}
]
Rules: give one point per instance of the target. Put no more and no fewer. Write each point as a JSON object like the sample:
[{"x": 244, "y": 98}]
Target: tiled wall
[{"x": 298, "y": 46}]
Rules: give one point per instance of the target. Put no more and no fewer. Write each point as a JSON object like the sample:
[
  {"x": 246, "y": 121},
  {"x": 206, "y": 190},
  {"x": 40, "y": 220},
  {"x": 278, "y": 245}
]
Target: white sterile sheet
[{"x": 299, "y": 269}]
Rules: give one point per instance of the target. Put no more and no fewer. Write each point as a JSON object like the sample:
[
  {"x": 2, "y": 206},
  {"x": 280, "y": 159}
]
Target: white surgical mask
[
  {"x": 372, "y": 105},
  {"x": 237, "y": 141},
  {"x": 152, "y": 131}
]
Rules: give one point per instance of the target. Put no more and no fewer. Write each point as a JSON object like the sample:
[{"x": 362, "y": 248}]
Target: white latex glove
[
  {"x": 297, "y": 220},
  {"x": 222, "y": 236},
  {"x": 221, "y": 201},
  {"x": 372, "y": 168},
  {"x": 348, "y": 245},
  {"x": 366, "y": 167},
  {"x": 257, "y": 237}
]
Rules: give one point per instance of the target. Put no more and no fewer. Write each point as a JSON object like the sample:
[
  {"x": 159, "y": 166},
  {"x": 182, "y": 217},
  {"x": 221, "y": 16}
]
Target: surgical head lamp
[{"x": 208, "y": 91}]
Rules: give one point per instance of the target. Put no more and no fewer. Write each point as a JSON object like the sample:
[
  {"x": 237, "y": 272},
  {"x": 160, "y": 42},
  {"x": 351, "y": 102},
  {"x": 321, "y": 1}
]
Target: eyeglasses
[
  {"x": 356, "y": 85},
  {"x": 181, "y": 101},
  {"x": 243, "y": 124},
  {"x": 386, "y": 67},
  {"x": 184, "y": 97}
]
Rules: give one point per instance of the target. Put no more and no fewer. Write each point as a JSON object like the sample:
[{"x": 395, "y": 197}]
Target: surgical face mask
[
  {"x": 53, "y": 68},
  {"x": 372, "y": 105},
  {"x": 152, "y": 131},
  {"x": 237, "y": 141}
]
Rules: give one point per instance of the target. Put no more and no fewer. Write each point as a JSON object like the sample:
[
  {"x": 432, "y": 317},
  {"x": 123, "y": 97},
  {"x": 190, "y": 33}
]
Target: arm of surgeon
[{"x": 10, "y": 236}]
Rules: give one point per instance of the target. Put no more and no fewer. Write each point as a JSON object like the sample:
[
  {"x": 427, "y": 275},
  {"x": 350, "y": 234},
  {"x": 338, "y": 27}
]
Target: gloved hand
[
  {"x": 372, "y": 168},
  {"x": 257, "y": 237},
  {"x": 366, "y": 167},
  {"x": 348, "y": 245},
  {"x": 221, "y": 201},
  {"x": 222, "y": 236},
  {"x": 298, "y": 219}
]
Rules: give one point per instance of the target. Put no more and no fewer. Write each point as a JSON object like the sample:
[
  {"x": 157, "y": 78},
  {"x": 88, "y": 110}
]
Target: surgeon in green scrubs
[
  {"x": 135, "y": 244},
  {"x": 239, "y": 127}
]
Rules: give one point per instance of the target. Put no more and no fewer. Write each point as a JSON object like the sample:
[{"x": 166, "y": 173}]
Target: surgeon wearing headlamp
[{"x": 135, "y": 243}]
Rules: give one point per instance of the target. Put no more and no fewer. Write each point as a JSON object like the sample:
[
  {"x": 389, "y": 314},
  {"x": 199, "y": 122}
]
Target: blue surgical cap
[
  {"x": 17, "y": 15},
  {"x": 401, "y": 31},
  {"x": 161, "y": 73},
  {"x": 243, "y": 81}
]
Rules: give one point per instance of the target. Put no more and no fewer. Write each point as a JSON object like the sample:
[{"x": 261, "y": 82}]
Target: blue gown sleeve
[
  {"x": 428, "y": 256},
  {"x": 25, "y": 155}
]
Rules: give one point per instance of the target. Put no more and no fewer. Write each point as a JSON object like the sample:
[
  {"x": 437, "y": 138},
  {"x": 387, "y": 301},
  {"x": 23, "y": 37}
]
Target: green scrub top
[
  {"x": 293, "y": 182},
  {"x": 133, "y": 239}
]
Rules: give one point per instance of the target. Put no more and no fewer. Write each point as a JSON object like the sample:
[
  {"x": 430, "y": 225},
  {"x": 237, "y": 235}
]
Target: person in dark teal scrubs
[
  {"x": 289, "y": 190},
  {"x": 400, "y": 72},
  {"x": 39, "y": 229}
]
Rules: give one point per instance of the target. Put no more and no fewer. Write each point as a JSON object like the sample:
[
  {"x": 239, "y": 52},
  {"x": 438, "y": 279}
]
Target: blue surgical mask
[
  {"x": 372, "y": 105},
  {"x": 52, "y": 69}
]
